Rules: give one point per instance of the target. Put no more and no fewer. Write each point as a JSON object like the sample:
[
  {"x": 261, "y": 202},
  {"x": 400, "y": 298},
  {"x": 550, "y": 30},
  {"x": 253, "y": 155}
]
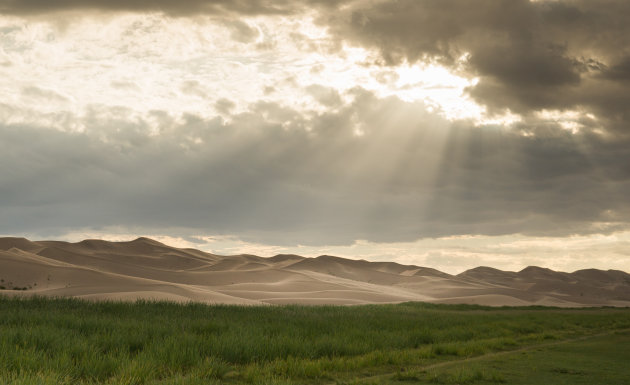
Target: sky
[{"x": 441, "y": 133}]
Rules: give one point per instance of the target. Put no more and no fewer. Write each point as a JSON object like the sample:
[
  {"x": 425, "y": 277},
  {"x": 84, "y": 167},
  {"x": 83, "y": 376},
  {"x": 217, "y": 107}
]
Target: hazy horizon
[{"x": 446, "y": 134}]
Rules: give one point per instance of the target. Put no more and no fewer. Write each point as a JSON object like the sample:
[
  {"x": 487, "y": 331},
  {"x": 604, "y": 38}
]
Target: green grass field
[{"x": 66, "y": 341}]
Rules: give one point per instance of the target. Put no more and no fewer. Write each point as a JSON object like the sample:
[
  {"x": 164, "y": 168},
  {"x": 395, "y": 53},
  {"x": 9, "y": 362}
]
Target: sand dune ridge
[{"x": 147, "y": 269}]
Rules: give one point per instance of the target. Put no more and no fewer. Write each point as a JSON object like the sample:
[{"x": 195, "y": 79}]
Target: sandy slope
[{"x": 145, "y": 268}]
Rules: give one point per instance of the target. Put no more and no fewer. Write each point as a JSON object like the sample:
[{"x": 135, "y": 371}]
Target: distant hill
[{"x": 147, "y": 269}]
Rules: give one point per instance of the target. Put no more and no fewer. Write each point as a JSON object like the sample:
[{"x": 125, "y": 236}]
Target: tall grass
[{"x": 68, "y": 341}]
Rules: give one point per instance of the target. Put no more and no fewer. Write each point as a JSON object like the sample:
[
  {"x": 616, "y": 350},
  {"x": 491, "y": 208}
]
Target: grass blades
[{"x": 69, "y": 341}]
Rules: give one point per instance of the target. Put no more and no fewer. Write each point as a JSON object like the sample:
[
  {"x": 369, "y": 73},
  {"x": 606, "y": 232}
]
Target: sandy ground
[{"x": 147, "y": 269}]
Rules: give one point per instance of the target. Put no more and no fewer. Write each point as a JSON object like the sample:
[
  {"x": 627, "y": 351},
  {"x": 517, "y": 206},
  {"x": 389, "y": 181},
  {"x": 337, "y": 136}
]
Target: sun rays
[{"x": 324, "y": 124}]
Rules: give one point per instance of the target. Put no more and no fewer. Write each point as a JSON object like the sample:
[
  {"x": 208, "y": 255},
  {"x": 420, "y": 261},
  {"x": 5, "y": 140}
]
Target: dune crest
[{"x": 147, "y": 269}]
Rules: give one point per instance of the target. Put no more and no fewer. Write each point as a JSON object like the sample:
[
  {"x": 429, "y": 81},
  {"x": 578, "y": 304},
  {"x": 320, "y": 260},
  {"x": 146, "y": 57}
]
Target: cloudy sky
[{"x": 444, "y": 133}]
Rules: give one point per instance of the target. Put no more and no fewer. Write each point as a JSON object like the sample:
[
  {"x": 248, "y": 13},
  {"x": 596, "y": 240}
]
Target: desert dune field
[{"x": 147, "y": 269}]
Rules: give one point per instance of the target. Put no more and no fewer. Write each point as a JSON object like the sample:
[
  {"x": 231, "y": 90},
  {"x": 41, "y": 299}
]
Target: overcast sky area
[{"x": 442, "y": 133}]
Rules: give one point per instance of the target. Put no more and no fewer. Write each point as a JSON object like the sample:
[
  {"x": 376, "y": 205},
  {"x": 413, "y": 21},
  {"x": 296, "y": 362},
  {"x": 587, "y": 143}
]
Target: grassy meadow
[{"x": 69, "y": 341}]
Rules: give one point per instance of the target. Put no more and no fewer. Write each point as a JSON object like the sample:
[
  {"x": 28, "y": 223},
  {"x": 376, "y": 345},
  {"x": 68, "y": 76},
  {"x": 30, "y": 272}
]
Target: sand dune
[{"x": 147, "y": 269}]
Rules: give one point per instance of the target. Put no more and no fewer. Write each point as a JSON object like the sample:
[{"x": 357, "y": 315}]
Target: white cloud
[{"x": 148, "y": 62}]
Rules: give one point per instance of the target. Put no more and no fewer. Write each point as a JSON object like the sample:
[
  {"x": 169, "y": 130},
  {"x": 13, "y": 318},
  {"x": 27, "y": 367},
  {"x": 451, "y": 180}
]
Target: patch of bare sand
[{"x": 147, "y": 269}]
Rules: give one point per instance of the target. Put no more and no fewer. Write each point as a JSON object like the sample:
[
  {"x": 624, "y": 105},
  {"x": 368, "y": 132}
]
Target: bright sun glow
[
  {"x": 188, "y": 70},
  {"x": 437, "y": 87}
]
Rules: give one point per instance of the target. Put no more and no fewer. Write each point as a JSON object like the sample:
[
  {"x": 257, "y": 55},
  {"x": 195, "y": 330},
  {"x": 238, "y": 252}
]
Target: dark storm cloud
[
  {"x": 281, "y": 176},
  {"x": 619, "y": 70},
  {"x": 528, "y": 56}
]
